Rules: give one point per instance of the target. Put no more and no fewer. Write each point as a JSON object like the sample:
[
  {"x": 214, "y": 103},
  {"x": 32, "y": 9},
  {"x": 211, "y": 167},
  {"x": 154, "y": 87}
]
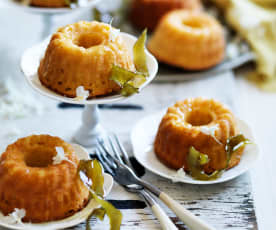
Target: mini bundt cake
[
  {"x": 30, "y": 180},
  {"x": 191, "y": 40},
  {"x": 49, "y": 3},
  {"x": 204, "y": 124},
  {"x": 153, "y": 10},
  {"x": 82, "y": 54}
]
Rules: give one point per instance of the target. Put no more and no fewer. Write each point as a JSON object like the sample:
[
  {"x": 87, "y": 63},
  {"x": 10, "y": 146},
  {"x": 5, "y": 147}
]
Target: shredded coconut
[
  {"x": 57, "y": 159},
  {"x": 179, "y": 175},
  {"x": 209, "y": 130},
  {"x": 15, "y": 217},
  {"x": 113, "y": 33},
  {"x": 82, "y": 94}
]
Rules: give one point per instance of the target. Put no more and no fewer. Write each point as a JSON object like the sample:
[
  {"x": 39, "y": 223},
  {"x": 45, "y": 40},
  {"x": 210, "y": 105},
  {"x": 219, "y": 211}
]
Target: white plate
[
  {"x": 30, "y": 63},
  {"x": 47, "y": 10},
  {"x": 142, "y": 138},
  {"x": 78, "y": 217}
]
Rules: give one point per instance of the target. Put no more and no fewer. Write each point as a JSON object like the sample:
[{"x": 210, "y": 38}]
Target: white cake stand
[
  {"x": 49, "y": 13},
  {"x": 91, "y": 128}
]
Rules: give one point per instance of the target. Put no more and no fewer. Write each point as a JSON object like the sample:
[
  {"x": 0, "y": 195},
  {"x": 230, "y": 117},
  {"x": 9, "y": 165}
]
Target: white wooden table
[{"x": 226, "y": 206}]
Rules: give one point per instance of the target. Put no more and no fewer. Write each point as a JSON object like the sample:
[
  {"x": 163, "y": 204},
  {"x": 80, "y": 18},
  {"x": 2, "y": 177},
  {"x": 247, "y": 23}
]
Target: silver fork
[
  {"x": 125, "y": 176},
  {"x": 165, "y": 221}
]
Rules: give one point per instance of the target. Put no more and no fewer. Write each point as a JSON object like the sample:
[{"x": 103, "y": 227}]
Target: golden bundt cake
[
  {"x": 147, "y": 13},
  {"x": 49, "y": 3},
  {"x": 29, "y": 180},
  {"x": 204, "y": 124},
  {"x": 191, "y": 40},
  {"x": 82, "y": 54}
]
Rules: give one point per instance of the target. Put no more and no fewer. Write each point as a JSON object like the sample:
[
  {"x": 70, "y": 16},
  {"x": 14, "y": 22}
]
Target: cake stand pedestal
[{"x": 90, "y": 130}]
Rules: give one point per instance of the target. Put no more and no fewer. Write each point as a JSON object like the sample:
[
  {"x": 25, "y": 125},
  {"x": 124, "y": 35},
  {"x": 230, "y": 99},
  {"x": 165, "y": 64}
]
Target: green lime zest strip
[
  {"x": 121, "y": 76},
  {"x": 139, "y": 54},
  {"x": 235, "y": 143},
  {"x": 98, "y": 213},
  {"x": 94, "y": 172},
  {"x": 196, "y": 159},
  {"x": 129, "y": 81},
  {"x": 195, "y": 162},
  {"x": 115, "y": 215}
]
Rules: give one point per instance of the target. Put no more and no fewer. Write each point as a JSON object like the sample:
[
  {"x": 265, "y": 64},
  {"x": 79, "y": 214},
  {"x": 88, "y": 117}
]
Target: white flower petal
[
  {"x": 81, "y": 93},
  {"x": 57, "y": 159},
  {"x": 179, "y": 175},
  {"x": 113, "y": 33},
  {"x": 15, "y": 217},
  {"x": 209, "y": 130}
]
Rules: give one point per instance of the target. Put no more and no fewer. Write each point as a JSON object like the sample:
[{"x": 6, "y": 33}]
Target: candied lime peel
[
  {"x": 235, "y": 143},
  {"x": 197, "y": 160},
  {"x": 130, "y": 81},
  {"x": 94, "y": 172},
  {"x": 139, "y": 54}
]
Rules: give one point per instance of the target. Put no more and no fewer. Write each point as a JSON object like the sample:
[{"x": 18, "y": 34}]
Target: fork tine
[
  {"x": 117, "y": 154},
  {"x": 110, "y": 162},
  {"x": 102, "y": 146},
  {"x": 105, "y": 165},
  {"x": 122, "y": 149}
]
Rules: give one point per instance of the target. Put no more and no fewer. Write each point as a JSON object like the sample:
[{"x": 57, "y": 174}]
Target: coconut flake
[
  {"x": 179, "y": 175},
  {"x": 15, "y": 217},
  {"x": 209, "y": 130},
  {"x": 113, "y": 32},
  {"x": 57, "y": 159},
  {"x": 81, "y": 93}
]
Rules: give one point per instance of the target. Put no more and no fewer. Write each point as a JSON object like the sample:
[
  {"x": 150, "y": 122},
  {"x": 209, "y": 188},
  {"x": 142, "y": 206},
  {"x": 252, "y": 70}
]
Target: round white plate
[
  {"x": 77, "y": 218},
  {"x": 30, "y": 63},
  {"x": 47, "y": 10},
  {"x": 142, "y": 142}
]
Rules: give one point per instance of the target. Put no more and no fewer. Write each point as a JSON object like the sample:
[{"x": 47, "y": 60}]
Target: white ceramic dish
[
  {"x": 77, "y": 218},
  {"x": 142, "y": 142},
  {"x": 47, "y": 10},
  {"x": 30, "y": 63}
]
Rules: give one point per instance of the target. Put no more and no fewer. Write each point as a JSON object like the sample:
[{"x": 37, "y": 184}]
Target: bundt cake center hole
[
  {"x": 193, "y": 24},
  {"x": 199, "y": 118},
  {"x": 40, "y": 158},
  {"x": 88, "y": 40}
]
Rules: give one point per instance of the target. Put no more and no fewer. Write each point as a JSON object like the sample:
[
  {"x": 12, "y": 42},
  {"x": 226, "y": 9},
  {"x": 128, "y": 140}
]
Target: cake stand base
[{"x": 90, "y": 130}]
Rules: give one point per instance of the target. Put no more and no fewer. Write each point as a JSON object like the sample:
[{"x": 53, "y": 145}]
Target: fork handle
[
  {"x": 193, "y": 222},
  {"x": 185, "y": 215},
  {"x": 159, "y": 213}
]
